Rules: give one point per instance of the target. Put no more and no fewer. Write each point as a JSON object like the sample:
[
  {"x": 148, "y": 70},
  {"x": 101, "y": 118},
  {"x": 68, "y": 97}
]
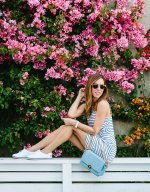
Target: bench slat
[
  {"x": 75, "y": 167},
  {"x": 125, "y": 187},
  {"x": 32, "y": 187},
  {"x": 76, "y": 177},
  {"x": 107, "y": 187},
  {"x": 117, "y": 160},
  {"x": 118, "y": 167},
  {"x": 32, "y": 167},
  {"x": 31, "y": 176},
  {"x": 112, "y": 177}
]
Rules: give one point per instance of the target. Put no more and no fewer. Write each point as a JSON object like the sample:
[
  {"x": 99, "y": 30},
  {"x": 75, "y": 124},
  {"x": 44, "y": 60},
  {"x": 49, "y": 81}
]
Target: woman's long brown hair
[{"x": 90, "y": 104}]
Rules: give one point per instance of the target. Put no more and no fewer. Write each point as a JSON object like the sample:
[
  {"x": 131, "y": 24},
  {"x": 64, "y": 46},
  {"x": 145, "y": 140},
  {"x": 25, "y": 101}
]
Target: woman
[{"x": 100, "y": 125}]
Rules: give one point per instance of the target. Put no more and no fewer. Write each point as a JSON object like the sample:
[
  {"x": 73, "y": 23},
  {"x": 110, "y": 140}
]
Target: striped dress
[{"x": 104, "y": 144}]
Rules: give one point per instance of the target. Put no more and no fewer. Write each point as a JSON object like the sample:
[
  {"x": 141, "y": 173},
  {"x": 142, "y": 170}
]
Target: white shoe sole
[
  {"x": 41, "y": 158},
  {"x": 19, "y": 157},
  {"x": 38, "y": 158}
]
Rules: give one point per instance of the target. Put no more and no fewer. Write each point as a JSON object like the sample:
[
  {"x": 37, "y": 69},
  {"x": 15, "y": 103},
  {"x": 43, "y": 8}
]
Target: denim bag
[{"x": 94, "y": 163}]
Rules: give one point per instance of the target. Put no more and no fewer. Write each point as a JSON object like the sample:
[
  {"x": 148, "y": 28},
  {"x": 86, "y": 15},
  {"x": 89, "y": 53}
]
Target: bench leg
[{"x": 67, "y": 177}]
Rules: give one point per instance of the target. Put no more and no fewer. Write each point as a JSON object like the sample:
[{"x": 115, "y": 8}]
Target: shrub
[{"x": 49, "y": 48}]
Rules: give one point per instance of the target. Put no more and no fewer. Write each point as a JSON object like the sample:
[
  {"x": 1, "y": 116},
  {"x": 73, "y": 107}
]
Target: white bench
[{"x": 66, "y": 175}]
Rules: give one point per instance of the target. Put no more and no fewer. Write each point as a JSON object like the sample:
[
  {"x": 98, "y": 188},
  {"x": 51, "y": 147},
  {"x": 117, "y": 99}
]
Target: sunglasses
[{"x": 95, "y": 86}]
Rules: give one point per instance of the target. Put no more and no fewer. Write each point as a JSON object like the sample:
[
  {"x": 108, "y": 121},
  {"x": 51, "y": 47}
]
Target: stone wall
[
  {"x": 124, "y": 127},
  {"x": 146, "y": 22},
  {"x": 146, "y": 19}
]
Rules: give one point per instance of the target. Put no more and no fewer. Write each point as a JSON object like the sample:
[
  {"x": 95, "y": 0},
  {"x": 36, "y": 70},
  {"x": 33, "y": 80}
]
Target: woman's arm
[
  {"x": 86, "y": 128},
  {"x": 83, "y": 127},
  {"x": 102, "y": 111},
  {"x": 74, "y": 110}
]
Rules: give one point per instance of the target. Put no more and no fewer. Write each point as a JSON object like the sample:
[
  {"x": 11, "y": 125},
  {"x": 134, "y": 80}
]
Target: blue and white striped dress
[{"x": 106, "y": 146}]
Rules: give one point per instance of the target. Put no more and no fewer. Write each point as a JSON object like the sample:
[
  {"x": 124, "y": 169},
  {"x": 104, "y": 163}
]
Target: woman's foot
[
  {"x": 22, "y": 154},
  {"x": 40, "y": 155}
]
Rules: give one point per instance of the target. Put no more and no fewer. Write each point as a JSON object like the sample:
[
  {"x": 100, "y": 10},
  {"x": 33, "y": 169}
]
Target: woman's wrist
[
  {"x": 77, "y": 124},
  {"x": 79, "y": 98}
]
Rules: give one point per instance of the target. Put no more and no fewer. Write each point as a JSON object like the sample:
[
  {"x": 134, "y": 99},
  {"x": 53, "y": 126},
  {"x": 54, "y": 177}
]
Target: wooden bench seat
[{"x": 67, "y": 175}]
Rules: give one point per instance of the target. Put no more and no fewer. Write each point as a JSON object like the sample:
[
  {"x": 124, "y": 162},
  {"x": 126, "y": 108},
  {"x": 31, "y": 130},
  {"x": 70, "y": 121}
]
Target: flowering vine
[
  {"x": 57, "y": 35},
  {"x": 49, "y": 48}
]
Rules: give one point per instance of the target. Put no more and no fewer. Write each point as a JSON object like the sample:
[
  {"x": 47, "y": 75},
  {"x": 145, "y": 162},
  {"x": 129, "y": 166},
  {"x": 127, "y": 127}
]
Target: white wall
[{"x": 146, "y": 19}]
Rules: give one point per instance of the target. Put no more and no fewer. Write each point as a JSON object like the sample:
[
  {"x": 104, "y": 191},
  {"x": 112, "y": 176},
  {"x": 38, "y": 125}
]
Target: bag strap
[{"x": 89, "y": 145}]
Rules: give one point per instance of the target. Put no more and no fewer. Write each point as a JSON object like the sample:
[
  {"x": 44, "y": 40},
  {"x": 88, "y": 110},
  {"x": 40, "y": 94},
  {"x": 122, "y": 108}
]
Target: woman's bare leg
[
  {"x": 62, "y": 137},
  {"x": 46, "y": 140},
  {"x": 81, "y": 135},
  {"x": 75, "y": 141}
]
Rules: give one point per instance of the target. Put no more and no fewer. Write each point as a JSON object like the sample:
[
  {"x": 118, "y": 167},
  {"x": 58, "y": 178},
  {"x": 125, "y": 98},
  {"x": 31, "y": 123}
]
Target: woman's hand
[
  {"x": 69, "y": 121},
  {"x": 81, "y": 93}
]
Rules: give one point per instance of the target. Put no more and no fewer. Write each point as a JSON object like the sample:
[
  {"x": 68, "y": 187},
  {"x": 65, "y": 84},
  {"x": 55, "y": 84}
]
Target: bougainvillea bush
[{"x": 49, "y": 48}]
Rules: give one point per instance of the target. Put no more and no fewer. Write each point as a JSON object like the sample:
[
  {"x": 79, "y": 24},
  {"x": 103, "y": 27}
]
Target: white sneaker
[
  {"x": 22, "y": 154},
  {"x": 40, "y": 155}
]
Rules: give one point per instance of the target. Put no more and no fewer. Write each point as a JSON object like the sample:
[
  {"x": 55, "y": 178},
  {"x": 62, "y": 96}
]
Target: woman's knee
[
  {"x": 66, "y": 126},
  {"x": 72, "y": 137},
  {"x": 61, "y": 126},
  {"x": 68, "y": 129}
]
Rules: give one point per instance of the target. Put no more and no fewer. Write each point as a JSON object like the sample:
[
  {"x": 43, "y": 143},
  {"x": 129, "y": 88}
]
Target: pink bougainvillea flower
[
  {"x": 21, "y": 82},
  {"x": 27, "y": 146},
  {"x": 63, "y": 114},
  {"x": 25, "y": 75},
  {"x": 57, "y": 153}
]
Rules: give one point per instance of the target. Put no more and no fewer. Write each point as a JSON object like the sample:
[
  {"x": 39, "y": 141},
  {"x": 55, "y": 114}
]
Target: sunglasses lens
[
  {"x": 96, "y": 86},
  {"x": 102, "y": 86}
]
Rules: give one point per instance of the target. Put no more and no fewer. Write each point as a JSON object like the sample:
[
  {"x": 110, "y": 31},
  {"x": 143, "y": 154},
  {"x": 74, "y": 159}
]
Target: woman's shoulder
[
  {"x": 103, "y": 103},
  {"x": 104, "y": 106}
]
